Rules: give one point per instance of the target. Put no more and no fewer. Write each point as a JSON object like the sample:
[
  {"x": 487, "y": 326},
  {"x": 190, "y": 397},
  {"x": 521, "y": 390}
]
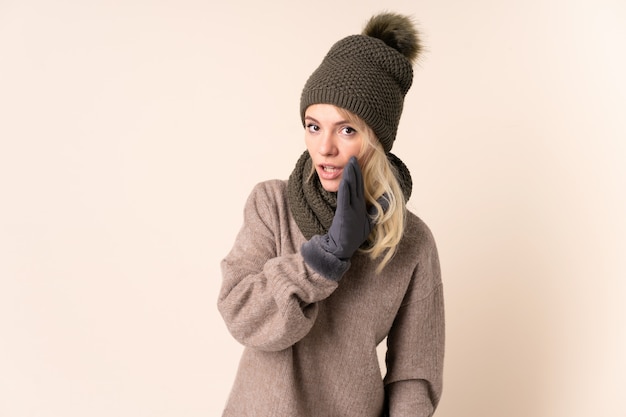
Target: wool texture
[
  {"x": 310, "y": 342},
  {"x": 313, "y": 207},
  {"x": 368, "y": 74}
]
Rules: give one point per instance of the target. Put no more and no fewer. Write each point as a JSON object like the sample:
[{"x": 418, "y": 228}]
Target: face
[{"x": 331, "y": 141}]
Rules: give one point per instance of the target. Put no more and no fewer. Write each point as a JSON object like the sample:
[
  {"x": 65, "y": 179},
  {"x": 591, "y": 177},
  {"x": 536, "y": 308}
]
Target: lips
[{"x": 329, "y": 172}]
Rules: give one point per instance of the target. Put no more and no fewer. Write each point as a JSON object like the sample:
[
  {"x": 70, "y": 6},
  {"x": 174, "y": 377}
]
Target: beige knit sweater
[{"x": 310, "y": 343}]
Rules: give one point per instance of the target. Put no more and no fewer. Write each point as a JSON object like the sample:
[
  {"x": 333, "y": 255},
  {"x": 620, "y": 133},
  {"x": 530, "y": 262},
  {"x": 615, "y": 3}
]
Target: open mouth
[{"x": 329, "y": 172}]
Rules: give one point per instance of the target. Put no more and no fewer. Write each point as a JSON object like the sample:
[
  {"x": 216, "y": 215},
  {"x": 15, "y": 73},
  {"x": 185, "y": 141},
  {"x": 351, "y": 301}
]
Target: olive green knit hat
[{"x": 369, "y": 74}]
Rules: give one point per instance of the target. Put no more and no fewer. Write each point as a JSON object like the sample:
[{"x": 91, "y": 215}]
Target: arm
[
  {"x": 268, "y": 298},
  {"x": 413, "y": 383}
]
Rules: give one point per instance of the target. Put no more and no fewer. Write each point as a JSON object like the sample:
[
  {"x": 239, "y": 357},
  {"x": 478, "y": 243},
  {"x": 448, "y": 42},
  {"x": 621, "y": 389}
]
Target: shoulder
[
  {"x": 419, "y": 251},
  {"x": 269, "y": 192},
  {"x": 268, "y": 203},
  {"x": 417, "y": 234},
  {"x": 267, "y": 210}
]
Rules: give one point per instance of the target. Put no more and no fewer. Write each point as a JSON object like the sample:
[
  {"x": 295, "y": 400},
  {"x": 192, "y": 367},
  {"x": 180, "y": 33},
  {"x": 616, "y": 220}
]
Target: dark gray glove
[
  {"x": 351, "y": 225},
  {"x": 330, "y": 254}
]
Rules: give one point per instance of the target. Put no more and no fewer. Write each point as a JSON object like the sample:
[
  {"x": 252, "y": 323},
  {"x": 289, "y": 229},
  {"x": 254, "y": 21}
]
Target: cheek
[{"x": 352, "y": 148}]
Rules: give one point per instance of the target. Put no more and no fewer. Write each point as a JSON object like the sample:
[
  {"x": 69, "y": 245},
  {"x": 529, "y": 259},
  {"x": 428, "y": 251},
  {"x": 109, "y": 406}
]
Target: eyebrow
[{"x": 340, "y": 122}]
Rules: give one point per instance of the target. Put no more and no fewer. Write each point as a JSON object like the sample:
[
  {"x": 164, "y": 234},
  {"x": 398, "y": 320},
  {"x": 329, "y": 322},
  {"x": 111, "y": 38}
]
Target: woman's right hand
[{"x": 352, "y": 224}]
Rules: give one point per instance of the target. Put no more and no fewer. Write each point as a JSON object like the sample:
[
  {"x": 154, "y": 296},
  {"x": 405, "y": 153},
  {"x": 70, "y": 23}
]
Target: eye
[
  {"x": 311, "y": 127},
  {"x": 348, "y": 131}
]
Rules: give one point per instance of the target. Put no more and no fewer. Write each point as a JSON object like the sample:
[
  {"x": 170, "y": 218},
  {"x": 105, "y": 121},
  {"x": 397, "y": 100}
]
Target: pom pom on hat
[
  {"x": 397, "y": 31},
  {"x": 368, "y": 74}
]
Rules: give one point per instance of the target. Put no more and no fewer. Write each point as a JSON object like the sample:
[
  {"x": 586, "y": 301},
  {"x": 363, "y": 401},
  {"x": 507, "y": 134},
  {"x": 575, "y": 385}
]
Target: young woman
[{"x": 330, "y": 263}]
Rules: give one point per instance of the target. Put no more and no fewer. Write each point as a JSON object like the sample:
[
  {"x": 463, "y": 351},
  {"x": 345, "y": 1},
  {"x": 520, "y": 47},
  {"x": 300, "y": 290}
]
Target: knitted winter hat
[{"x": 368, "y": 74}]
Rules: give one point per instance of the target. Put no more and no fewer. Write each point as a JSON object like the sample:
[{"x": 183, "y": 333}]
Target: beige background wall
[{"x": 132, "y": 131}]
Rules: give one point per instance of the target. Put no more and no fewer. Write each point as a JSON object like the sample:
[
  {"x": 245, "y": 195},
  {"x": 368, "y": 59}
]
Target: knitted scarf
[{"x": 313, "y": 208}]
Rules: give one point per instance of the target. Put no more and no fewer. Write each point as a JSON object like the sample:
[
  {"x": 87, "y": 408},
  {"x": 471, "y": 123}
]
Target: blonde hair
[{"x": 380, "y": 182}]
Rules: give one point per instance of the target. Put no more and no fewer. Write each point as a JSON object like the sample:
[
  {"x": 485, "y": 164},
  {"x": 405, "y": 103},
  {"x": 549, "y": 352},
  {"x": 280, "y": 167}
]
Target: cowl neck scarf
[{"x": 313, "y": 208}]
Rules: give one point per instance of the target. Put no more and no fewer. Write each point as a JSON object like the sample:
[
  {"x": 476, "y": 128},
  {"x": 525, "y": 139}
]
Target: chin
[{"x": 330, "y": 186}]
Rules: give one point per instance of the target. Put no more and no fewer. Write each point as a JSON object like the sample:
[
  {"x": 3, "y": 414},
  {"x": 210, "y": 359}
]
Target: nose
[{"x": 327, "y": 145}]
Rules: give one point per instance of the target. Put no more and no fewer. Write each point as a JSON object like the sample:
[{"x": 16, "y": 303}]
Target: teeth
[{"x": 330, "y": 169}]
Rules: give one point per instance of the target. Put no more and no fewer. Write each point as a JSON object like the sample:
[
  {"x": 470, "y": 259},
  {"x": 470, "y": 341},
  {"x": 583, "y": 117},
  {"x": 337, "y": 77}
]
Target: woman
[{"x": 330, "y": 263}]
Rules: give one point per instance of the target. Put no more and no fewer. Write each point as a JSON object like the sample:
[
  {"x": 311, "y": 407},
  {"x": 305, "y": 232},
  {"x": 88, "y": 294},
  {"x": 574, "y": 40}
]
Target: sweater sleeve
[
  {"x": 269, "y": 295},
  {"x": 415, "y": 344}
]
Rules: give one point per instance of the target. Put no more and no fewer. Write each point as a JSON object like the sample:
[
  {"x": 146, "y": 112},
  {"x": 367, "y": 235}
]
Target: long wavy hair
[{"x": 381, "y": 183}]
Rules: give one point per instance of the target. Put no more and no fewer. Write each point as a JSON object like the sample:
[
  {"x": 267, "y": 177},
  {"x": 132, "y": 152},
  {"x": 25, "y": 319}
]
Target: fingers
[
  {"x": 356, "y": 179},
  {"x": 359, "y": 179},
  {"x": 343, "y": 193},
  {"x": 351, "y": 187}
]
